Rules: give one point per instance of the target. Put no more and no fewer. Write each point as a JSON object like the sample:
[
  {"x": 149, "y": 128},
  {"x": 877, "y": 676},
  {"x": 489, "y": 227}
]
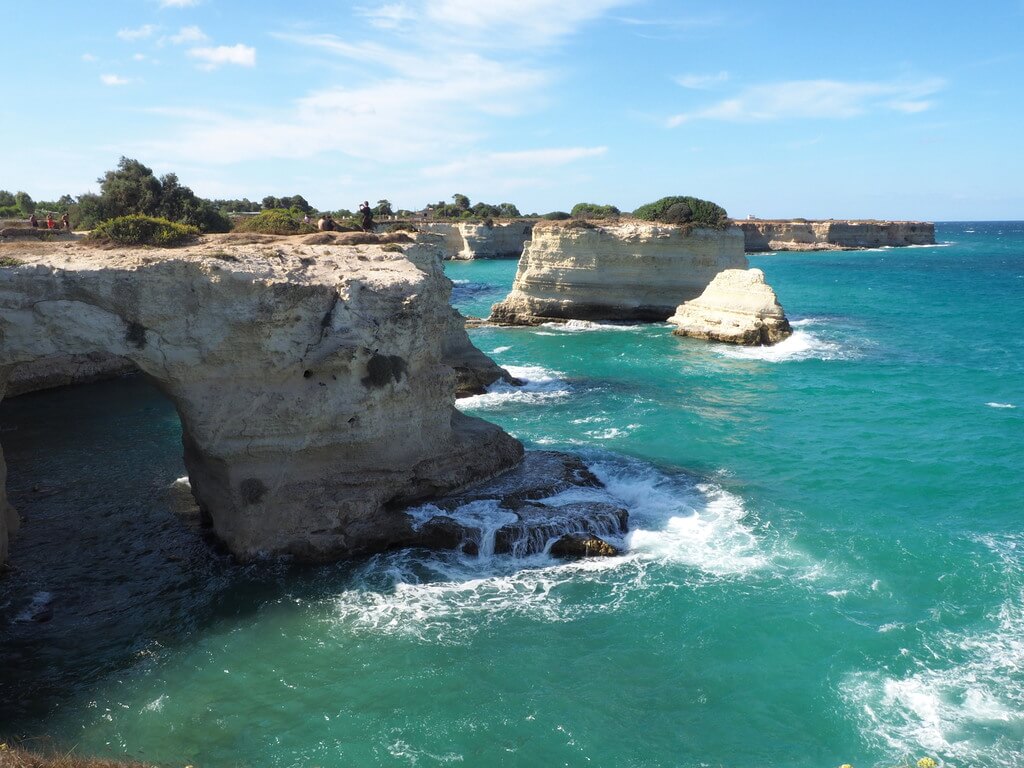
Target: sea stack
[
  {"x": 309, "y": 378},
  {"x": 738, "y": 307},
  {"x": 636, "y": 270}
]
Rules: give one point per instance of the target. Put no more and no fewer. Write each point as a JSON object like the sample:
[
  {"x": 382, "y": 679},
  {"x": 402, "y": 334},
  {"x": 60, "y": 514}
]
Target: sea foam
[
  {"x": 802, "y": 345},
  {"x": 965, "y": 698},
  {"x": 675, "y": 521},
  {"x": 542, "y": 385},
  {"x": 579, "y": 326}
]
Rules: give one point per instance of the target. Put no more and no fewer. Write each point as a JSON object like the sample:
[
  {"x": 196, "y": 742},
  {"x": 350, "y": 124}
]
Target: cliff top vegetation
[{"x": 686, "y": 210}]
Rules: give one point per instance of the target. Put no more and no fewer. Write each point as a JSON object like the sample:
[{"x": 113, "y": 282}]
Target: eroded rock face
[
  {"x": 627, "y": 271},
  {"x": 65, "y": 370},
  {"x": 464, "y": 241},
  {"x": 8, "y": 516},
  {"x": 309, "y": 379},
  {"x": 738, "y": 307},
  {"x": 762, "y": 235}
]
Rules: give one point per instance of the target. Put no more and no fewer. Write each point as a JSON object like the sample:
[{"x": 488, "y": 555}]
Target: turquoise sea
[{"x": 825, "y": 563}]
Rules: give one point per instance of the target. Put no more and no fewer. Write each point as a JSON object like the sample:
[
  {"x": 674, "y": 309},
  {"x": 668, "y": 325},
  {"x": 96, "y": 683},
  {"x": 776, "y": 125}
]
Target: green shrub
[
  {"x": 144, "y": 230},
  {"x": 594, "y": 211},
  {"x": 687, "y": 210},
  {"x": 556, "y": 216},
  {"x": 276, "y": 221},
  {"x": 9, "y": 261}
]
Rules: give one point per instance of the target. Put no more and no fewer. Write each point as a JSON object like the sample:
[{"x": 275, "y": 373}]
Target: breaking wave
[
  {"x": 964, "y": 699},
  {"x": 542, "y": 385},
  {"x": 802, "y": 345},
  {"x": 675, "y": 522}
]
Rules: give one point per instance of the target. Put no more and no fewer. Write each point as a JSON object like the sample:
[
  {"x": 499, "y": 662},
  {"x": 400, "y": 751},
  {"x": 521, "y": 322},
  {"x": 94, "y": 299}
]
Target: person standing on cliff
[
  {"x": 65, "y": 222},
  {"x": 367, "y": 213}
]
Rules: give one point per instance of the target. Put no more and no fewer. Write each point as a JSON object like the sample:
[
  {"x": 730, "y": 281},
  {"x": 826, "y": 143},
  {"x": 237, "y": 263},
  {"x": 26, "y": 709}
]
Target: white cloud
[
  {"x": 816, "y": 99},
  {"x": 114, "y": 80},
  {"x": 192, "y": 34},
  {"x": 138, "y": 33},
  {"x": 389, "y": 16},
  {"x": 211, "y": 58},
  {"x": 89, "y": 57},
  {"x": 139, "y": 57},
  {"x": 518, "y": 22},
  {"x": 420, "y": 93},
  {"x": 702, "y": 82},
  {"x": 489, "y": 163},
  {"x": 179, "y": 3}
]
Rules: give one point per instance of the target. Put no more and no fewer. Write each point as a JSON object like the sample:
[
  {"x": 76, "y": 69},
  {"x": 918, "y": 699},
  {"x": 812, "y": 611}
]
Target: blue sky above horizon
[{"x": 898, "y": 110}]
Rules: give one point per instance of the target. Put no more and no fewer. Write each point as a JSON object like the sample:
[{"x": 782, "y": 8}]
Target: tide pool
[{"x": 825, "y": 562}]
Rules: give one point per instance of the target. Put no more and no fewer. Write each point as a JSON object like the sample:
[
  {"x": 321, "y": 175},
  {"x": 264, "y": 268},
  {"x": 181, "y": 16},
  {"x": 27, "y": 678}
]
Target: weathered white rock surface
[
  {"x": 833, "y": 235},
  {"x": 474, "y": 371},
  {"x": 738, "y": 307},
  {"x": 309, "y": 379},
  {"x": 626, "y": 271},
  {"x": 464, "y": 241}
]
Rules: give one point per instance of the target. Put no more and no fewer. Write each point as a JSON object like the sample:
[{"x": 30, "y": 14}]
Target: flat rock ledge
[
  {"x": 738, "y": 307},
  {"x": 519, "y": 513},
  {"x": 309, "y": 377},
  {"x": 633, "y": 271}
]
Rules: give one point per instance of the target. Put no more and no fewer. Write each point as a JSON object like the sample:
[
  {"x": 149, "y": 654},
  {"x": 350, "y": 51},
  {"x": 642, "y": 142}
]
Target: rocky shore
[
  {"x": 309, "y": 376},
  {"x": 622, "y": 271},
  {"x": 833, "y": 235}
]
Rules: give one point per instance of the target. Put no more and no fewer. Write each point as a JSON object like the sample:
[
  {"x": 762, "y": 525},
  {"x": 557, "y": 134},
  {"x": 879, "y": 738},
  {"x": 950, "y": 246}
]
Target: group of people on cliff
[
  {"x": 51, "y": 223},
  {"x": 327, "y": 223}
]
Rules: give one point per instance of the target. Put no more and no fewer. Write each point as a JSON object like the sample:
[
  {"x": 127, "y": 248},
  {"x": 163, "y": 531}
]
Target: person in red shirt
[{"x": 49, "y": 221}]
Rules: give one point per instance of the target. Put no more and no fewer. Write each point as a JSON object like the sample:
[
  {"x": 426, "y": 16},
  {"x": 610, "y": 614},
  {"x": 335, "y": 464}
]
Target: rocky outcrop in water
[
  {"x": 309, "y": 379},
  {"x": 519, "y": 513},
  {"x": 576, "y": 270},
  {"x": 738, "y": 307},
  {"x": 464, "y": 241},
  {"x": 765, "y": 235}
]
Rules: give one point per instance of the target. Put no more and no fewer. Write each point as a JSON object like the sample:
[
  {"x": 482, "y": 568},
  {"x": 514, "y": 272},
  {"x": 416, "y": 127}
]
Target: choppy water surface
[{"x": 826, "y": 561}]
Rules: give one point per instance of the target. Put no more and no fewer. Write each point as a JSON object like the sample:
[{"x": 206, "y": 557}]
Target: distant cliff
[
  {"x": 832, "y": 235},
  {"x": 465, "y": 241},
  {"x": 635, "y": 270}
]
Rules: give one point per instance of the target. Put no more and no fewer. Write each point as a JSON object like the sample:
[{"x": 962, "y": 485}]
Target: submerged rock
[
  {"x": 576, "y": 270},
  {"x": 738, "y": 307},
  {"x": 521, "y": 512},
  {"x": 576, "y": 545}
]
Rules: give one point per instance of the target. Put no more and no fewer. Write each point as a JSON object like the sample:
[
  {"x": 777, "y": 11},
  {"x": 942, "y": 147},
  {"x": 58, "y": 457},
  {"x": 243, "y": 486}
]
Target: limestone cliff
[
  {"x": 626, "y": 271},
  {"x": 464, "y": 240},
  {"x": 765, "y": 235},
  {"x": 738, "y": 307},
  {"x": 308, "y": 377}
]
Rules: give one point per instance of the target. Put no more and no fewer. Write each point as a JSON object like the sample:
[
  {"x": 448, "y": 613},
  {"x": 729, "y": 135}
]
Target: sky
[{"x": 786, "y": 109}]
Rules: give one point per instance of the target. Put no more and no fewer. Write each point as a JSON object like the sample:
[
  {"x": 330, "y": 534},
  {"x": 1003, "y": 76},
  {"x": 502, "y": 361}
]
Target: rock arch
[{"x": 308, "y": 378}]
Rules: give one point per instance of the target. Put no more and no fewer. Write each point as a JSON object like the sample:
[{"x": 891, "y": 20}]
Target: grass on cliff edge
[
  {"x": 276, "y": 221},
  {"x": 143, "y": 230},
  {"x": 20, "y": 758}
]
